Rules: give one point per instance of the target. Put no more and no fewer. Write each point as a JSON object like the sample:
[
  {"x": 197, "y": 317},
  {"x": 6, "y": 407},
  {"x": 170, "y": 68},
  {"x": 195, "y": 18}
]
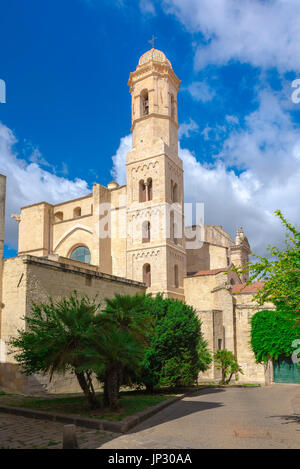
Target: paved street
[
  {"x": 266, "y": 417},
  {"x": 213, "y": 418}
]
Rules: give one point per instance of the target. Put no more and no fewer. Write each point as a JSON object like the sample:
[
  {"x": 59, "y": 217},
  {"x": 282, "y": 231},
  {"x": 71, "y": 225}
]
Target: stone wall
[{"x": 27, "y": 279}]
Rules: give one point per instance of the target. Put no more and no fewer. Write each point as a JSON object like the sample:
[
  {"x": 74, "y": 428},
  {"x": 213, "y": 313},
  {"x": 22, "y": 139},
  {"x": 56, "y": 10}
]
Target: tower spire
[{"x": 152, "y": 41}]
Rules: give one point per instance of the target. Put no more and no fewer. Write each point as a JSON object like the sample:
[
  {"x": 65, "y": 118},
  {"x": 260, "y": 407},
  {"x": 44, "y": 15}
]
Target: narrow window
[
  {"x": 173, "y": 111},
  {"x": 142, "y": 190},
  {"x": 175, "y": 193},
  {"x": 58, "y": 216},
  {"x": 176, "y": 278},
  {"x": 144, "y": 103},
  {"x": 147, "y": 275},
  {"x": 219, "y": 344},
  {"x": 146, "y": 234},
  {"x": 77, "y": 212},
  {"x": 149, "y": 185}
]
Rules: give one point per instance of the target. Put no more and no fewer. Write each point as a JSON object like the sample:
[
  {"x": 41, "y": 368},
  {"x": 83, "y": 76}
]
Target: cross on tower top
[{"x": 152, "y": 41}]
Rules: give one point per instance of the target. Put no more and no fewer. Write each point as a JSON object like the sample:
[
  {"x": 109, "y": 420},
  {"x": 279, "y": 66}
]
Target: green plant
[
  {"x": 56, "y": 340},
  {"x": 280, "y": 272},
  {"x": 177, "y": 350},
  {"x": 122, "y": 345},
  {"x": 226, "y": 361},
  {"x": 272, "y": 334}
]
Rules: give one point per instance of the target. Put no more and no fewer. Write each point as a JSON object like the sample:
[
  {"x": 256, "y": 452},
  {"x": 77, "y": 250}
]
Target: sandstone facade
[{"x": 126, "y": 238}]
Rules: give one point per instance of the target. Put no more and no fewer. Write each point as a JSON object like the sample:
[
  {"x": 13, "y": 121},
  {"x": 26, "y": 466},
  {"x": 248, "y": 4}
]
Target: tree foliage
[
  {"x": 226, "y": 361},
  {"x": 280, "y": 272},
  {"x": 177, "y": 351},
  {"x": 56, "y": 339},
  {"x": 272, "y": 335}
]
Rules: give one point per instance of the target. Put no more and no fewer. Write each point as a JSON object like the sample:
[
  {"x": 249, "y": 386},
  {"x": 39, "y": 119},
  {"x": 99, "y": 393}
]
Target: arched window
[
  {"x": 144, "y": 103},
  {"x": 149, "y": 186},
  {"x": 58, "y": 216},
  {"x": 146, "y": 233},
  {"x": 174, "y": 191},
  {"x": 173, "y": 108},
  {"x": 142, "y": 190},
  {"x": 176, "y": 278},
  {"x": 77, "y": 212},
  {"x": 147, "y": 275},
  {"x": 81, "y": 254}
]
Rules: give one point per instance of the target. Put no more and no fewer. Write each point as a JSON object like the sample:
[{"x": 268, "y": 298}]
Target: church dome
[{"x": 154, "y": 55}]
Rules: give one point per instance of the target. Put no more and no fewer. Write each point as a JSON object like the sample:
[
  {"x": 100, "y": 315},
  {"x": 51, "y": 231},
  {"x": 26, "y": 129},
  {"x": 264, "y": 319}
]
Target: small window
[
  {"x": 146, "y": 234},
  {"x": 147, "y": 275},
  {"x": 144, "y": 103},
  {"x": 174, "y": 192},
  {"x": 142, "y": 191},
  {"x": 81, "y": 254},
  {"x": 149, "y": 186},
  {"x": 219, "y": 344},
  {"x": 176, "y": 277},
  {"x": 173, "y": 108},
  {"x": 58, "y": 216},
  {"x": 77, "y": 212}
]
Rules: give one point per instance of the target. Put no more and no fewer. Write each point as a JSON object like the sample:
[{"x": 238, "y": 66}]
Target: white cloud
[
  {"x": 28, "y": 183},
  {"x": 187, "y": 128},
  {"x": 119, "y": 160},
  {"x": 147, "y": 7},
  {"x": 200, "y": 91},
  {"x": 266, "y": 153},
  {"x": 265, "y": 33}
]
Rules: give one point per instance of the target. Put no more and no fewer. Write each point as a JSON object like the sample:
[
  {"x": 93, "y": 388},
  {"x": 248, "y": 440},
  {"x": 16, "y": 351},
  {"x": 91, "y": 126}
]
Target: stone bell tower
[{"x": 155, "y": 216}]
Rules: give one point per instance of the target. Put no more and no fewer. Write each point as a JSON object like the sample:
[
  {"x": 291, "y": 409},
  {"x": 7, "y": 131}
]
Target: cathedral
[{"x": 132, "y": 238}]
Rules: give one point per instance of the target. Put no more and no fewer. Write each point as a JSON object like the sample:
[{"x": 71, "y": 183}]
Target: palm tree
[
  {"x": 56, "y": 340},
  {"x": 122, "y": 343}
]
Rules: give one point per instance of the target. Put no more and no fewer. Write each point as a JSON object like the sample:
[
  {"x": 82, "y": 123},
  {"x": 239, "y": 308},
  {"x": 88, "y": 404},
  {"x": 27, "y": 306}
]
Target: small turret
[{"x": 239, "y": 253}]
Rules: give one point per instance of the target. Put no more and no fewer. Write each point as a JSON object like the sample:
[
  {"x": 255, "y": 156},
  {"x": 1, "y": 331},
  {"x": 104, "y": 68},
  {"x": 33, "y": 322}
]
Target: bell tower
[{"x": 155, "y": 217}]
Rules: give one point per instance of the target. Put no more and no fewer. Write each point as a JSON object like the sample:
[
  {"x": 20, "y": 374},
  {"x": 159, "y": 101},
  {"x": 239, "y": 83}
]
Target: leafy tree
[
  {"x": 281, "y": 273},
  {"x": 226, "y": 361},
  {"x": 177, "y": 351},
  {"x": 123, "y": 343},
  {"x": 57, "y": 339},
  {"x": 272, "y": 335}
]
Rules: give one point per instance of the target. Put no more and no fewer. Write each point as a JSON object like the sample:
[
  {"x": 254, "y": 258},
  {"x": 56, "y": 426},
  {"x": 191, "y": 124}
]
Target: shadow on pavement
[
  {"x": 180, "y": 409},
  {"x": 294, "y": 418}
]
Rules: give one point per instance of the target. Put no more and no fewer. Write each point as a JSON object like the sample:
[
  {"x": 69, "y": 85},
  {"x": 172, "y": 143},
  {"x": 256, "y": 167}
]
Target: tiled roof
[{"x": 243, "y": 288}]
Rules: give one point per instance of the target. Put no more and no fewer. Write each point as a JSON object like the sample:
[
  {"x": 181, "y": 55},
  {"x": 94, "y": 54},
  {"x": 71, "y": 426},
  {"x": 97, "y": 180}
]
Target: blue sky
[{"x": 66, "y": 122}]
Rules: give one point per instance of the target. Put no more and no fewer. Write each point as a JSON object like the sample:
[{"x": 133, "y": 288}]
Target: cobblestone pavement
[{"x": 25, "y": 433}]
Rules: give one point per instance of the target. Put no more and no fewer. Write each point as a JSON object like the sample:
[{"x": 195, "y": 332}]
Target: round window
[{"x": 81, "y": 254}]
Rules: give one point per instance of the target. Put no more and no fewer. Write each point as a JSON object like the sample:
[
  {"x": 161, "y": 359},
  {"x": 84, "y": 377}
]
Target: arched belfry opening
[
  {"x": 147, "y": 275},
  {"x": 149, "y": 188},
  {"x": 142, "y": 191},
  {"x": 173, "y": 107},
  {"x": 144, "y": 103}
]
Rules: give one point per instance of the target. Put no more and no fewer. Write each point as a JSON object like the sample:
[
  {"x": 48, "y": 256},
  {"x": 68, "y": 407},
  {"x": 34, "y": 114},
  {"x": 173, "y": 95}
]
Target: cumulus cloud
[
  {"x": 265, "y": 155},
  {"x": 262, "y": 33},
  {"x": 187, "y": 128},
  {"x": 28, "y": 183},
  {"x": 200, "y": 91},
  {"x": 147, "y": 7},
  {"x": 118, "y": 171}
]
